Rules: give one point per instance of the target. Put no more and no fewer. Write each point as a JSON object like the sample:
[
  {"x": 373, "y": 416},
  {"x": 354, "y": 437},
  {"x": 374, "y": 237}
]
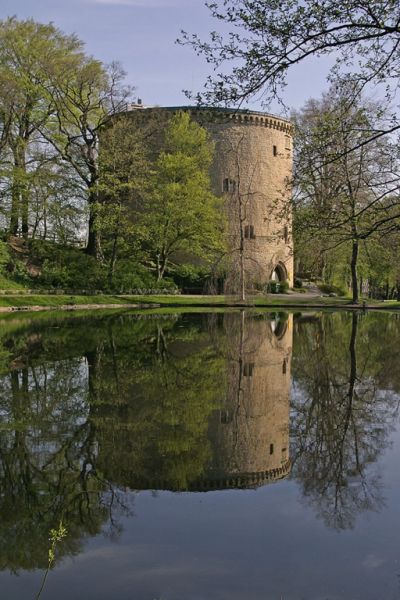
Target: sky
[{"x": 141, "y": 35}]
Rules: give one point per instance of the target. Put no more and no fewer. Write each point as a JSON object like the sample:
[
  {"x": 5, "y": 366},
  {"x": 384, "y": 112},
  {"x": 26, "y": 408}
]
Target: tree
[
  {"x": 182, "y": 215},
  {"x": 31, "y": 54},
  {"x": 265, "y": 39},
  {"x": 343, "y": 197},
  {"x": 85, "y": 103},
  {"x": 123, "y": 173}
]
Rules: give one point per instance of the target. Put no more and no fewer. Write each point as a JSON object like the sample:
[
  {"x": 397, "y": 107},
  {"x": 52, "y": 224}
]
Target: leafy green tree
[
  {"x": 124, "y": 169},
  {"x": 346, "y": 190},
  {"x": 182, "y": 215},
  {"x": 85, "y": 104},
  {"x": 30, "y": 55}
]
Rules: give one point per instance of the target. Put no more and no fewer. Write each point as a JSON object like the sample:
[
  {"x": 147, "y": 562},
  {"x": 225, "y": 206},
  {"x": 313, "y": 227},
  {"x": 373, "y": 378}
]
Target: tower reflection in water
[
  {"x": 249, "y": 435},
  {"x": 226, "y": 425}
]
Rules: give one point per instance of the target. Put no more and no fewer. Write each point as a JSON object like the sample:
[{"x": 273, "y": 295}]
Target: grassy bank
[
  {"x": 18, "y": 302},
  {"x": 37, "y": 301}
]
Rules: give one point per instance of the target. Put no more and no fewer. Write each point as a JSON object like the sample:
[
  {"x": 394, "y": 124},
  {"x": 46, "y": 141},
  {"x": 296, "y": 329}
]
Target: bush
[
  {"x": 72, "y": 269},
  {"x": 4, "y": 257},
  {"x": 298, "y": 283},
  {"x": 277, "y": 287},
  {"x": 283, "y": 287},
  {"x": 130, "y": 276},
  {"x": 328, "y": 288},
  {"x": 190, "y": 277}
]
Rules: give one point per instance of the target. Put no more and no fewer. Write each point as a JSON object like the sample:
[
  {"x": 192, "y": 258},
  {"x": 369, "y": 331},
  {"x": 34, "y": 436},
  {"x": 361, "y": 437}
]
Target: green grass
[
  {"x": 7, "y": 284},
  {"x": 54, "y": 301},
  {"x": 51, "y": 300}
]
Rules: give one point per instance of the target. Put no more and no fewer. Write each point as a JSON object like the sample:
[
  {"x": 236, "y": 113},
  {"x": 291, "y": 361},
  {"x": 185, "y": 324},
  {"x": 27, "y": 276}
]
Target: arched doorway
[{"x": 279, "y": 273}]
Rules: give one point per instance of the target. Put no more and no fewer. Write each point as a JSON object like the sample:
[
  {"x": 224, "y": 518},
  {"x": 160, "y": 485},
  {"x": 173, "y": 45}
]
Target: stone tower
[{"x": 252, "y": 170}]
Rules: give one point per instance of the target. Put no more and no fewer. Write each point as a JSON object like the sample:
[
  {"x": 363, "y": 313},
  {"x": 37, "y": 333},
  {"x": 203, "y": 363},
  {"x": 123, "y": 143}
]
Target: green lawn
[
  {"x": 51, "y": 300},
  {"x": 54, "y": 300},
  {"x": 6, "y": 284}
]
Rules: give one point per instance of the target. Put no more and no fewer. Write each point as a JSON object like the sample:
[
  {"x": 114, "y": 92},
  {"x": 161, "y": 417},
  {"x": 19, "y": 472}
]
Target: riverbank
[{"x": 37, "y": 302}]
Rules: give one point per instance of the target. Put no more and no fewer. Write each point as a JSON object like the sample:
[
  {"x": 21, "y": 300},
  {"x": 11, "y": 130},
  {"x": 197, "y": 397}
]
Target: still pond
[{"x": 193, "y": 456}]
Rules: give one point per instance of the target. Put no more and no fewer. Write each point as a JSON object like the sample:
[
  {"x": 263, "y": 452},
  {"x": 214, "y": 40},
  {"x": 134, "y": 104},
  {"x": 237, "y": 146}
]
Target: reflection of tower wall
[
  {"x": 252, "y": 169},
  {"x": 250, "y": 434}
]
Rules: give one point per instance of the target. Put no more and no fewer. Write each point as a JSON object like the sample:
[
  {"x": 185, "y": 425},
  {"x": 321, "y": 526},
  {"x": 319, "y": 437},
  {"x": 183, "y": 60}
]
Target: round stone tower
[{"x": 252, "y": 170}]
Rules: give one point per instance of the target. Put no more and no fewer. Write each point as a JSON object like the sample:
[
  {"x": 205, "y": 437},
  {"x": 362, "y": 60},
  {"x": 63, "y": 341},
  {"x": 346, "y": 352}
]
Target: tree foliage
[
  {"x": 262, "y": 40},
  {"x": 182, "y": 215},
  {"x": 31, "y": 56},
  {"x": 346, "y": 191}
]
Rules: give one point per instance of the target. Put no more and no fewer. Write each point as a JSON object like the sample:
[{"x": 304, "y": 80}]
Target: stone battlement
[{"x": 249, "y": 117}]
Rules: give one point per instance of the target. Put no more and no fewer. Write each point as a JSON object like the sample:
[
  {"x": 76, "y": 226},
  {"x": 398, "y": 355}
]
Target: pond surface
[{"x": 200, "y": 456}]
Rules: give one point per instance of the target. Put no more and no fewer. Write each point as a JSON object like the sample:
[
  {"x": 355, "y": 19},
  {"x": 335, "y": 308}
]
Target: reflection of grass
[{"x": 14, "y": 426}]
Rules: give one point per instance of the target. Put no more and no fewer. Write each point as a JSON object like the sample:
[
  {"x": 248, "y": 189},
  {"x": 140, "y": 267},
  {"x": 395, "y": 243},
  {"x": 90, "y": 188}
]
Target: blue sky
[{"x": 141, "y": 35}]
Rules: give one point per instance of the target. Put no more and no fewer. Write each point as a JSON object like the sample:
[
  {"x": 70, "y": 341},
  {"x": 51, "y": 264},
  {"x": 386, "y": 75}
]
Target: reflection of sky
[
  {"x": 261, "y": 544},
  {"x": 62, "y": 419},
  {"x": 141, "y": 35}
]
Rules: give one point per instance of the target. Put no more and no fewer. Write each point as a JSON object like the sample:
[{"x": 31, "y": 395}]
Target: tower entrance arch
[{"x": 279, "y": 273}]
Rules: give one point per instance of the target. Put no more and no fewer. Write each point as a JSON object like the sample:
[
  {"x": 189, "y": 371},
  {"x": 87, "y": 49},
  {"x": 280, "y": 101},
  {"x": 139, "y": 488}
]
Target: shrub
[
  {"x": 188, "y": 276},
  {"x": 277, "y": 287},
  {"x": 298, "y": 283},
  {"x": 4, "y": 256},
  {"x": 130, "y": 276},
  {"x": 72, "y": 269},
  {"x": 283, "y": 287},
  {"x": 328, "y": 288}
]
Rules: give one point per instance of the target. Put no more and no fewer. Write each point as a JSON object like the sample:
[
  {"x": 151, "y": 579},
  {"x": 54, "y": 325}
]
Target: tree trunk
[
  {"x": 113, "y": 259},
  {"x": 24, "y": 198},
  {"x": 241, "y": 255},
  {"x": 93, "y": 247},
  {"x": 14, "y": 216},
  {"x": 19, "y": 193},
  {"x": 161, "y": 265},
  {"x": 354, "y": 281}
]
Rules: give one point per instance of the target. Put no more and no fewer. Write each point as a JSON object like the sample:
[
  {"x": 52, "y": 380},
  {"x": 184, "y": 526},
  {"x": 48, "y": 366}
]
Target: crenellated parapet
[
  {"x": 244, "y": 117},
  {"x": 244, "y": 480}
]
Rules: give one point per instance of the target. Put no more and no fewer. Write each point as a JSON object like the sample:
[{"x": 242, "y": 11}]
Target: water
[{"x": 200, "y": 456}]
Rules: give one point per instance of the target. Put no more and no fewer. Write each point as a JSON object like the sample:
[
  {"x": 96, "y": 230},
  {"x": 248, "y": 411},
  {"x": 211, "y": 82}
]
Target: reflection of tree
[
  {"x": 151, "y": 423},
  {"x": 45, "y": 449},
  {"x": 92, "y": 405},
  {"x": 341, "y": 420}
]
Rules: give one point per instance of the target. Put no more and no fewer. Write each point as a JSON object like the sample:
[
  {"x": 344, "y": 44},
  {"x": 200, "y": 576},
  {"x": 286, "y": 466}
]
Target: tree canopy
[
  {"x": 182, "y": 215},
  {"x": 342, "y": 197},
  {"x": 261, "y": 40}
]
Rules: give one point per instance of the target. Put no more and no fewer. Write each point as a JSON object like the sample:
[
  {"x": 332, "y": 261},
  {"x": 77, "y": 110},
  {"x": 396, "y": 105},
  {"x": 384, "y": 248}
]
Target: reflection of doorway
[
  {"x": 279, "y": 273},
  {"x": 278, "y": 327}
]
